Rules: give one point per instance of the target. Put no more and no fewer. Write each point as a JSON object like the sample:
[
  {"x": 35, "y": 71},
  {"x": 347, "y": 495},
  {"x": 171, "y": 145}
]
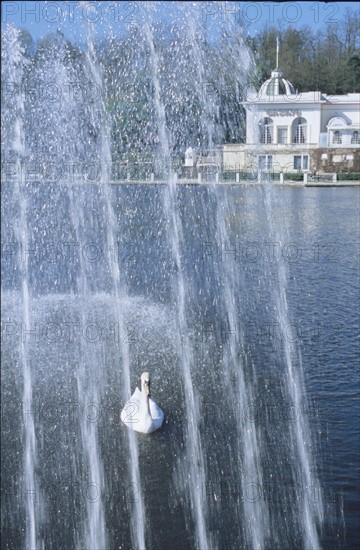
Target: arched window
[
  {"x": 355, "y": 137},
  {"x": 266, "y": 130},
  {"x": 299, "y": 130},
  {"x": 337, "y": 137}
]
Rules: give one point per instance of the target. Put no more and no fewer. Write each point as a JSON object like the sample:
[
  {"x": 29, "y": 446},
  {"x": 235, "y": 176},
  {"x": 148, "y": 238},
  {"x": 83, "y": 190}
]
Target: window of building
[
  {"x": 300, "y": 135},
  {"x": 265, "y": 162},
  {"x": 297, "y": 162},
  {"x": 301, "y": 162},
  {"x": 282, "y": 135},
  {"x": 299, "y": 127},
  {"x": 266, "y": 130},
  {"x": 355, "y": 137},
  {"x": 337, "y": 137}
]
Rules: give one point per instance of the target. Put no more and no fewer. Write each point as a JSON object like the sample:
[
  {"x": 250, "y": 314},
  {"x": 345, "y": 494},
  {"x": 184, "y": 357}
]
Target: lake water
[{"x": 315, "y": 235}]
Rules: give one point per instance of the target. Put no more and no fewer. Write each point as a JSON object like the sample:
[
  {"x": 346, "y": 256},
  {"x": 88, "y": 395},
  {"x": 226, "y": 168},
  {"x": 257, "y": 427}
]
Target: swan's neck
[
  {"x": 148, "y": 404},
  {"x": 146, "y": 396},
  {"x": 147, "y": 400}
]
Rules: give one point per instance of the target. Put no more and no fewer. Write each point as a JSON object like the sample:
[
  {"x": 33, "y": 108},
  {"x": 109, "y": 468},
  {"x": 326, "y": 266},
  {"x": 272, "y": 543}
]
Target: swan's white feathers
[{"x": 141, "y": 413}]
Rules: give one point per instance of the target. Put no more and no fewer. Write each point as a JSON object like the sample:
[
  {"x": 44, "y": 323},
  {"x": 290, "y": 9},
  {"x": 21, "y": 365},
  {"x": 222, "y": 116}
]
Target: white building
[{"x": 289, "y": 131}]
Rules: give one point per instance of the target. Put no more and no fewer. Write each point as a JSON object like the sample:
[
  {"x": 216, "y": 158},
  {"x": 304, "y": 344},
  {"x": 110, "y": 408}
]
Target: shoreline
[
  {"x": 182, "y": 181},
  {"x": 289, "y": 183}
]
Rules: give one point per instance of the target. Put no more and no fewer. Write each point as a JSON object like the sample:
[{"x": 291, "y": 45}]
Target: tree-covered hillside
[{"x": 202, "y": 83}]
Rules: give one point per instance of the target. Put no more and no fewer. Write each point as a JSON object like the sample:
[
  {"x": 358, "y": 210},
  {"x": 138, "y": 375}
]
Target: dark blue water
[
  {"x": 319, "y": 242},
  {"x": 326, "y": 299}
]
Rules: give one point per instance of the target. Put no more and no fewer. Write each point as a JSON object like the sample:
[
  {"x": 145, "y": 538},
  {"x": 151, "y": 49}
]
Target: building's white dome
[{"x": 277, "y": 85}]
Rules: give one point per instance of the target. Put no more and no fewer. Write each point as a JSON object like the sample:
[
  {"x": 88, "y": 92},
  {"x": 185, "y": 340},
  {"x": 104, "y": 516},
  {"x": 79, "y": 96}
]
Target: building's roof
[
  {"x": 347, "y": 98},
  {"x": 277, "y": 85}
]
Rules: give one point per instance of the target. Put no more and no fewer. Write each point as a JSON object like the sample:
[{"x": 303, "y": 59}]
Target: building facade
[{"x": 288, "y": 131}]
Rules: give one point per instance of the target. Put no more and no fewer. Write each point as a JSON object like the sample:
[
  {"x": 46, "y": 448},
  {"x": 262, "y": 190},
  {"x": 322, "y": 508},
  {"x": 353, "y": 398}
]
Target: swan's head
[{"x": 145, "y": 383}]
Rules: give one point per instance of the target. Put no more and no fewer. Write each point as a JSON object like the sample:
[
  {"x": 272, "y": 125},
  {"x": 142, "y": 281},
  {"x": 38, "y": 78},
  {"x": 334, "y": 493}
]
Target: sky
[{"x": 72, "y": 18}]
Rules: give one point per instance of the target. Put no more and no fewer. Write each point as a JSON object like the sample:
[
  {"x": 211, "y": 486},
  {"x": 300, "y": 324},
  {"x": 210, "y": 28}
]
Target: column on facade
[{"x": 275, "y": 136}]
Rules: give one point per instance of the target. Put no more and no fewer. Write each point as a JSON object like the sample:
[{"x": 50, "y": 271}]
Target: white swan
[{"x": 141, "y": 413}]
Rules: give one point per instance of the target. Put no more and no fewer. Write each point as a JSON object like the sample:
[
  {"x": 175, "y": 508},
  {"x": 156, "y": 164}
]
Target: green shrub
[
  {"x": 295, "y": 176},
  {"x": 353, "y": 176}
]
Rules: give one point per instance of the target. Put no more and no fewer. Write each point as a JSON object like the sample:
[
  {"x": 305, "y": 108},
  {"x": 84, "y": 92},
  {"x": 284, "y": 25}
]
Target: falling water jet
[
  {"x": 30, "y": 447},
  {"x": 138, "y": 513},
  {"x": 311, "y": 510},
  {"x": 194, "y": 451},
  {"x": 248, "y": 459},
  {"x": 16, "y": 63},
  {"x": 256, "y": 512},
  {"x": 94, "y": 529},
  {"x": 92, "y": 533}
]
